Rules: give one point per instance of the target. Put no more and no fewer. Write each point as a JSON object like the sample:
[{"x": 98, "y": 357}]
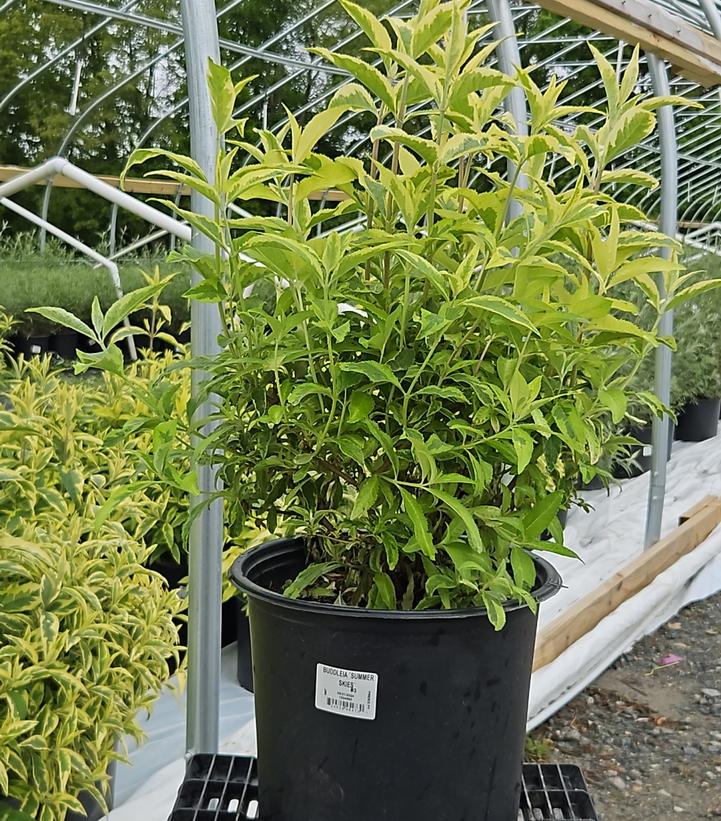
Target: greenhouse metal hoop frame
[{"x": 673, "y": 159}]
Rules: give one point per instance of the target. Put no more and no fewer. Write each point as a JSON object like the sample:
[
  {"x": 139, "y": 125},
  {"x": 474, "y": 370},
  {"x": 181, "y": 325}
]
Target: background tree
[{"x": 34, "y": 123}]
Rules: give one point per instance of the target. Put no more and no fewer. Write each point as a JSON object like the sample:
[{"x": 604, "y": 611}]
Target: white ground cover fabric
[{"x": 605, "y": 539}]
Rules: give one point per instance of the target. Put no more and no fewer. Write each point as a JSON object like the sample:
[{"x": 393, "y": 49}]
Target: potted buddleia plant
[{"x": 415, "y": 406}]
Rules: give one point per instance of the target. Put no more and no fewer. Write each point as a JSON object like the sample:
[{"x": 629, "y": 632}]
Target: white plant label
[{"x": 346, "y": 692}]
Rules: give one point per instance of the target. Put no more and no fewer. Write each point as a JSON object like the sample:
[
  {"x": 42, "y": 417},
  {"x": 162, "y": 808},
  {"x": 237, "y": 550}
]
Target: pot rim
[{"x": 244, "y": 565}]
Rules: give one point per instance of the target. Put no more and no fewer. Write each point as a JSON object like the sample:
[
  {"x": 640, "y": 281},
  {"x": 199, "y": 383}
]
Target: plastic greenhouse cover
[{"x": 606, "y": 539}]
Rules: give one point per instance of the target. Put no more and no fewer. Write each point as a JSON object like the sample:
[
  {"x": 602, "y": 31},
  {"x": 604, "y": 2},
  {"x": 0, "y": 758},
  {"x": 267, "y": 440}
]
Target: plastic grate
[
  {"x": 225, "y": 788},
  {"x": 555, "y": 792},
  {"x": 218, "y": 788}
]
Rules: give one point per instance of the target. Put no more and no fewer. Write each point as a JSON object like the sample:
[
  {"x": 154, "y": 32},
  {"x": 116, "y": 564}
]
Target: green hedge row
[{"x": 31, "y": 281}]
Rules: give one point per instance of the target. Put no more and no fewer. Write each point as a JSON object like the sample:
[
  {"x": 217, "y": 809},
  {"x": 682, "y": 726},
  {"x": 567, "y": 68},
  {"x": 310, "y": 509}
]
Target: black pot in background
[
  {"x": 699, "y": 420},
  {"x": 87, "y": 345},
  {"x": 142, "y": 343},
  {"x": 562, "y": 517},
  {"x": 93, "y": 811},
  {"x": 642, "y": 454},
  {"x": 229, "y": 621},
  {"x": 174, "y": 572},
  {"x": 16, "y": 344},
  {"x": 34, "y": 345},
  {"x": 595, "y": 484},
  {"x": 65, "y": 344},
  {"x": 369, "y": 714}
]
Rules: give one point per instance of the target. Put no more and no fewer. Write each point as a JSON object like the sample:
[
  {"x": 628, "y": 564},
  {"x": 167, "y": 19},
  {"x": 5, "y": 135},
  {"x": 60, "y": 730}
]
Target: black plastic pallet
[
  {"x": 225, "y": 788},
  {"x": 218, "y": 788},
  {"x": 555, "y": 792}
]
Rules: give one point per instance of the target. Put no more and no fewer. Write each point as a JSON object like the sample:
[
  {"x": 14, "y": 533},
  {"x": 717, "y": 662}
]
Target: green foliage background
[
  {"x": 33, "y": 126},
  {"x": 61, "y": 279}
]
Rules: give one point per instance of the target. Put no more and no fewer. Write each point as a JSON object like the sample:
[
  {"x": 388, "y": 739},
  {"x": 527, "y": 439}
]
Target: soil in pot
[
  {"x": 384, "y": 715},
  {"x": 699, "y": 420},
  {"x": 65, "y": 344}
]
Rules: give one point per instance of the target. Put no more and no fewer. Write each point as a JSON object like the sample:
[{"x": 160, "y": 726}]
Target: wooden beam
[
  {"x": 667, "y": 24},
  {"x": 696, "y": 509},
  {"x": 137, "y": 185},
  {"x": 329, "y": 195},
  {"x": 695, "y": 54},
  {"x": 585, "y": 614},
  {"x": 133, "y": 185}
]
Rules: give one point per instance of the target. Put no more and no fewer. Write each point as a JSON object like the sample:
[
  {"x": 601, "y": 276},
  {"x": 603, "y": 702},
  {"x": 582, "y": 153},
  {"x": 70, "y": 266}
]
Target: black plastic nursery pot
[
  {"x": 93, "y": 810},
  {"x": 174, "y": 572},
  {"x": 245, "y": 663},
  {"x": 33, "y": 345},
  {"x": 16, "y": 344},
  {"x": 562, "y": 517},
  {"x": 65, "y": 344},
  {"x": 699, "y": 420},
  {"x": 88, "y": 345},
  {"x": 595, "y": 484},
  {"x": 642, "y": 454},
  {"x": 370, "y": 715}
]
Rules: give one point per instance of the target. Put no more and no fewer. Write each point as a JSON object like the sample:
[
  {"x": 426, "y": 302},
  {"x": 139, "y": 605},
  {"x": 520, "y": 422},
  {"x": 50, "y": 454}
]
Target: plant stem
[
  {"x": 414, "y": 381},
  {"x": 509, "y": 197}
]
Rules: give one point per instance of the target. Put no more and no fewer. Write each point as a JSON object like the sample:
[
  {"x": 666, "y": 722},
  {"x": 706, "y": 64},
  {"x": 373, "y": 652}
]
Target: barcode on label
[
  {"x": 349, "y": 693},
  {"x": 345, "y": 706}
]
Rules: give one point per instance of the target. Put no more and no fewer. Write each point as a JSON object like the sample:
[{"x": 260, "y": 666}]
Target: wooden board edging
[
  {"x": 694, "y": 53},
  {"x": 694, "y": 526}
]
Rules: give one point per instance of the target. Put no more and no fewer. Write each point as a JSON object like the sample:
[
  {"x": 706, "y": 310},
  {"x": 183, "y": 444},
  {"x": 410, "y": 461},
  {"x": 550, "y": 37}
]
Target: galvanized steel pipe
[
  {"x": 206, "y": 535},
  {"x": 668, "y": 224}
]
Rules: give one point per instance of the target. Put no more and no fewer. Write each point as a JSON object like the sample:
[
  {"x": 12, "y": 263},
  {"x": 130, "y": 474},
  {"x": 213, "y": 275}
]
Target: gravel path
[{"x": 647, "y": 733}]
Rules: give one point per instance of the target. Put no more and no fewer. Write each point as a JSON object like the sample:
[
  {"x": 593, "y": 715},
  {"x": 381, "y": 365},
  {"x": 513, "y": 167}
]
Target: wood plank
[
  {"x": 330, "y": 195},
  {"x": 696, "y": 509},
  {"x": 661, "y": 21},
  {"x": 133, "y": 185},
  {"x": 586, "y": 613},
  {"x": 138, "y": 185},
  {"x": 695, "y": 54}
]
